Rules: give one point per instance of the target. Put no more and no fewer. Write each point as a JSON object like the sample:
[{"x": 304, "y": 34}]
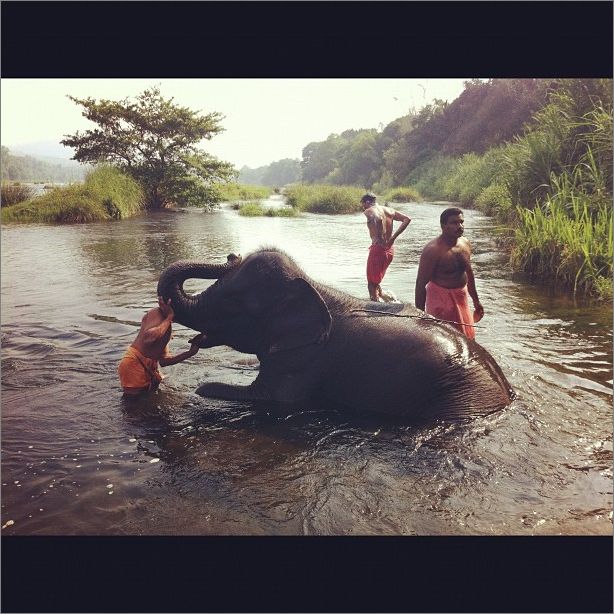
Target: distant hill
[
  {"x": 48, "y": 151},
  {"x": 30, "y": 168}
]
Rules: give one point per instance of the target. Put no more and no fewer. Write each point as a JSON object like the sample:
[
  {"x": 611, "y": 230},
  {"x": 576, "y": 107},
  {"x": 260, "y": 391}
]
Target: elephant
[{"x": 317, "y": 343}]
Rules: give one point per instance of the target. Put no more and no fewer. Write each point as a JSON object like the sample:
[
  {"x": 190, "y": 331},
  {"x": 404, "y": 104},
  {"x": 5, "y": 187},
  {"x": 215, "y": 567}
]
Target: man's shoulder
[
  {"x": 388, "y": 210},
  {"x": 463, "y": 244},
  {"x": 434, "y": 245}
]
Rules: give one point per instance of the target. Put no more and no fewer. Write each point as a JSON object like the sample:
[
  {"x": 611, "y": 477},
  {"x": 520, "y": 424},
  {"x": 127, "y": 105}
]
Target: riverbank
[{"x": 106, "y": 194}]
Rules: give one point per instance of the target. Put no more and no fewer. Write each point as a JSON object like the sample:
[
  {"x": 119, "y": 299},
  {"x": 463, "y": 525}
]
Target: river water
[{"x": 78, "y": 460}]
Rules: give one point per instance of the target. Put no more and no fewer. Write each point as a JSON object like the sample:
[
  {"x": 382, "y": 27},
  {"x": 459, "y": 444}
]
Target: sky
[{"x": 264, "y": 119}]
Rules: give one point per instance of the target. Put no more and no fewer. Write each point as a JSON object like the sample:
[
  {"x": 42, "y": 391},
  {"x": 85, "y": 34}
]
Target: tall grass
[
  {"x": 430, "y": 178},
  {"x": 255, "y": 209},
  {"x": 324, "y": 198},
  {"x": 106, "y": 194},
  {"x": 472, "y": 174},
  {"x": 14, "y": 193},
  {"x": 403, "y": 194},
  {"x": 237, "y": 191},
  {"x": 567, "y": 241}
]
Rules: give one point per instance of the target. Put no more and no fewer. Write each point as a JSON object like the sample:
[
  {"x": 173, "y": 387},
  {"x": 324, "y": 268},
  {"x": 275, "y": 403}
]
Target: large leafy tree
[{"x": 155, "y": 141}]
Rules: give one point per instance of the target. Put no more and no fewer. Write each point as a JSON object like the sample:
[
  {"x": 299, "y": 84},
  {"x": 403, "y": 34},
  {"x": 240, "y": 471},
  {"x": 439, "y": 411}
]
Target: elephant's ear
[{"x": 300, "y": 318}]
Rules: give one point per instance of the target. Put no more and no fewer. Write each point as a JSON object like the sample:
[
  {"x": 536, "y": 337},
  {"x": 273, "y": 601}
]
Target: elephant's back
[{"x": 410, "y": 366}]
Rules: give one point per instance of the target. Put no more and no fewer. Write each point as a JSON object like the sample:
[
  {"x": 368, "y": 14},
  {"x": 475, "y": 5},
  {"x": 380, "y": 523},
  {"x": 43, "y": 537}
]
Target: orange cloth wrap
[
  {"x": 450, "y": 304},
  {"x": 377, "y": 263},
  {"x": 137, "y": 371}
]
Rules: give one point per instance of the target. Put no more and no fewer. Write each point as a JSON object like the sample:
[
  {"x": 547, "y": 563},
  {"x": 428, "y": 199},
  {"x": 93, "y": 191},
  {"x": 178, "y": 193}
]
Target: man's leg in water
[{"x": 375, "y": 292}]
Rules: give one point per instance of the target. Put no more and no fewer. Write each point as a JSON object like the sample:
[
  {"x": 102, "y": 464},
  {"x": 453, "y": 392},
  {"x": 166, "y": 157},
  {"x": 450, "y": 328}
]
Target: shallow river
[{"x": 76, "y": 459}]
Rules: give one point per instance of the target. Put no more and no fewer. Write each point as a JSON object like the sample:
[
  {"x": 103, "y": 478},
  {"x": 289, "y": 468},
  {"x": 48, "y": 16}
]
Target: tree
[
  {"x": 282, "y": 172},
  {"x": 154, "y": 140}
]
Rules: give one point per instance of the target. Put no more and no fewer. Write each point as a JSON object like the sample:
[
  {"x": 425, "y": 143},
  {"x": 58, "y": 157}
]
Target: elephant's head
[{"x": 260, "y": 305}]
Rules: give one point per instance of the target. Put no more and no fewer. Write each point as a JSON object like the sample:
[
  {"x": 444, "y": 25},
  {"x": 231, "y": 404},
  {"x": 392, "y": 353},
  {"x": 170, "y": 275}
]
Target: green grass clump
[
  {"x": 495, "y": 200},
  {"x": 403, "y": 194},
  {"x": 568, "y": 244},
  {"x": 251, "y": 209},
  {"x": 281, "y": 212},
  {"x": 106, "y": 194},
  {"x": 14, "y": 193},
  {"x": 255, "y": 209},
  {"x": 237, "y": 191},
  {"x": 324, "y": 198}
]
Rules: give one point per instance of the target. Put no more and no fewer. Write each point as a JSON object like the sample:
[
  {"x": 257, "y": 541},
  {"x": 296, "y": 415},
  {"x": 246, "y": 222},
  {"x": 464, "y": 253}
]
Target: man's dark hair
[
  {"x": 369, "y": 197},
  {"x": 443, "y": 218}
]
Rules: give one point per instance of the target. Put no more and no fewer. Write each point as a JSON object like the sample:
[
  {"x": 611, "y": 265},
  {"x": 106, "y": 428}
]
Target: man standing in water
[
  {"x": 380, "y": 220},
  {"x": 138, "y": 369},
  {"x": 445, "y": 277}
]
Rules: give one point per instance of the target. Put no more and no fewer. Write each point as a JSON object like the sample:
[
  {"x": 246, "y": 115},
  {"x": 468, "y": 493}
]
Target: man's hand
[
  {"x": 165, "y": 308},
  {"x": 478, "y": 314},
  {"x": 198, "y": 341}
]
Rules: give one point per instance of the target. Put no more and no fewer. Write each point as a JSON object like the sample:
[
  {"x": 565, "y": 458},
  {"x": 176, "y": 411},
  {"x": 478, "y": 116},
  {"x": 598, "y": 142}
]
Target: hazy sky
[{"x": 265, "y": 119}]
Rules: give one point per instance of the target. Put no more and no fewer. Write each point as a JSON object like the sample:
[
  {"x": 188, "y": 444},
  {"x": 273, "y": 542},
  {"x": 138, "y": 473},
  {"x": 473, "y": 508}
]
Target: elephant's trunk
[{"x": 170, "y": 285}]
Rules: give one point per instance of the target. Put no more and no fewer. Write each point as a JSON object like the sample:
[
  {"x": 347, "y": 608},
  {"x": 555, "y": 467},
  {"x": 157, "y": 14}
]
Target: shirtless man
[
  {"x": 445, "y": 277},
  {"x": 138, "y": 369},
  {"x": 380, "y": 220}
]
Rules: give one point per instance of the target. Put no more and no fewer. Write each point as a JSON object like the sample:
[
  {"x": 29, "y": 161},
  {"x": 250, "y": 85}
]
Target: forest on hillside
[
  {"x": 485, "y": 115},
  {"x": 33, "y": 170}
]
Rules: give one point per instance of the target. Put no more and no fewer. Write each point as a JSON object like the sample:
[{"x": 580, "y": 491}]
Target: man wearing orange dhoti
[{"x": 445, "y": 278}]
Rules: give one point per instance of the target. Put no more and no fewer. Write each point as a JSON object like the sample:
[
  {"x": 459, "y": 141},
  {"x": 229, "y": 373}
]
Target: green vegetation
[
  {"x": 236, "y": 191},
  {"x": 251, "y": 209},
  {"x": 155, "y": 142},
  {"x": 255, "y": 209},
  {"x": 403, "y": 194},
  {"x": 552, "y": 184},
  {"x": 534, "y": 153},
  {"x": 106, "y": 194},
  {"x": 282, "y": 212},
  {"x": 13, "y": 193},
  {"x": 324, "y": 198},
  {"x": 279, "y": 173},
  {"x": 34, "y": 170},
  {"x": 573, "y": 249}
]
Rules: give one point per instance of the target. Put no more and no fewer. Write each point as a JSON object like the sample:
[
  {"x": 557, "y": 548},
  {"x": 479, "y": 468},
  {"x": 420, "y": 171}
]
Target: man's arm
[
  {"x": 426, "y": 268},
  {"x": 152, "y": 334},
  {"x": 399, "y": 217},
  {"x": 167, "y": 359},
  {"x": 473, "y": 293}
]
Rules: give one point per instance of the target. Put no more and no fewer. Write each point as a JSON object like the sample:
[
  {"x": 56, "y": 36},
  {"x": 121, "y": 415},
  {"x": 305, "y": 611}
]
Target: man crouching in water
[
  {"x": 380, "y": 220},
  {"x": 445, "y": 277},
  {"x": 138, "y": 369}
]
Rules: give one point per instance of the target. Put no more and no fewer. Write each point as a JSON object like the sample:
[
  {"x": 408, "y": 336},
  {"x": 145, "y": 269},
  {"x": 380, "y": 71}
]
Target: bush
[
  {"x": 255, "y": 209},
  {"x": 236, "y": 191},
  {"x": 495, "y": 200},
  {"x": 13, "y": 193},
  {"x": 572, "y": 247},
  {"x": 281, "y": 212},
  {"x": 429, "y": 178},
  {"x": 251, "y": 209},
  {"x": 121, "y": 196},
  {"x": 404, "y": 194},
  {"x": 474, "y": 173},
  {"x": 106, "y": 194},
  {"x": 324, "y": 198}
]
